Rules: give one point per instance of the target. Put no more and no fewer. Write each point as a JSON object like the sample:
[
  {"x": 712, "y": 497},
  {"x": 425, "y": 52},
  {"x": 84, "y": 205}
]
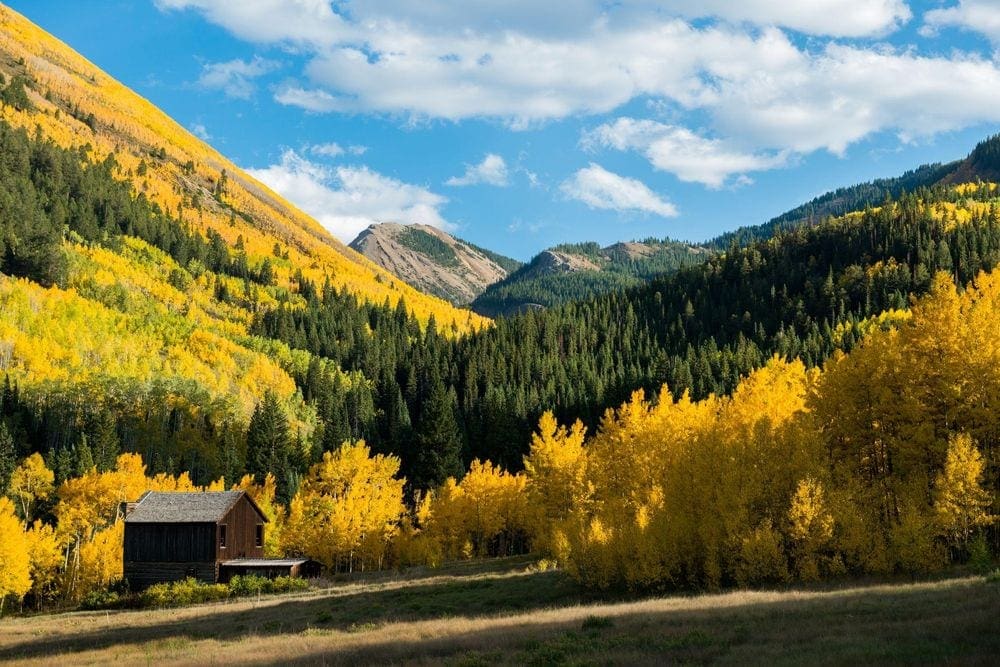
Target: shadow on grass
[
  {"x": 958, "y": 622},
  {"x": 936, "y": 622},
  {"x": 337, "y": 608}
]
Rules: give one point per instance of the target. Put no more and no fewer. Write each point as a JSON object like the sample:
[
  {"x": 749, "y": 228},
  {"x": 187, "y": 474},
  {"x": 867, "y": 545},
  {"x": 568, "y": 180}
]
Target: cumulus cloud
[
  {"x": 346, "y": 200},
  {"x": 599, "y": 188},
  {"x": 679, "y": 151},
  {"x": 982, "y": 16},
  {"x": 315, "y": 100},
  {"x": 839, "y": 18},
  {"x": 516, "y": 62},
  {"x": 235, "y": 77},
  {"x": 491, "y": 171}
]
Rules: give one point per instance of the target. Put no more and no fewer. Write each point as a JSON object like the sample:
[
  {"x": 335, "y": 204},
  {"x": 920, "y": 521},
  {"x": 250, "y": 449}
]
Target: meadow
[{"x": 505, "y": 611}]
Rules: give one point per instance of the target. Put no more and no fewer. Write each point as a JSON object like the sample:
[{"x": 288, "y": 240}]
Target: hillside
[
  {"x": 432, "y": 260},
  {"x": 982, "y": 164},
  {"x": 75, "y": 105},
  {"x": 134, "y": 263},
  {"x": 573, "y": 272}
]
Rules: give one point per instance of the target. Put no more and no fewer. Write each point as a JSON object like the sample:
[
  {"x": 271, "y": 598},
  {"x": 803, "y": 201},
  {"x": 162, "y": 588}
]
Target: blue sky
[{"x": 518, "y": 124}]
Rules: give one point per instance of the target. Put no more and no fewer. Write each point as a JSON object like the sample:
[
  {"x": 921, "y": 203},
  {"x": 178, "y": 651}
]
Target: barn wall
[
  {"x": 241, "y": 532},
  {"x": 169, "y": 542},
  {"x": 143, "y": 575}
]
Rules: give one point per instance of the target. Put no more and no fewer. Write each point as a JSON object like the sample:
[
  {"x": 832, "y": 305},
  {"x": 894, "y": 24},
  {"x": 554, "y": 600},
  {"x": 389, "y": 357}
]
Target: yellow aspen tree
[
  {"x": 961, "y": 504},
  {"x": 347, "y": 509},
  {"x": 555, "y": 469},
  {"x": 46, "y": 556},
  {"x": 30, "y": 483},
  {"x": 15, "y": 563},
  {"x": 810, "y": 527}
]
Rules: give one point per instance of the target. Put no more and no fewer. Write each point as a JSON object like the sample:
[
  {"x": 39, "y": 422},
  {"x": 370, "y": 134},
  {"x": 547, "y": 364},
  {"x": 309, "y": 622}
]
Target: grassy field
[{"x": 501, "y": 612}]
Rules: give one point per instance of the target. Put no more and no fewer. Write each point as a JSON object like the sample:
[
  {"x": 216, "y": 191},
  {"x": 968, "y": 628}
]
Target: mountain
[
  {"x": 571, "y": 272},
  {"x": 135, "y": 262},
  {"x": 433, "y": 261},
  {"x": 983, "y": 163},
  {"x": 70, "y": 102}
]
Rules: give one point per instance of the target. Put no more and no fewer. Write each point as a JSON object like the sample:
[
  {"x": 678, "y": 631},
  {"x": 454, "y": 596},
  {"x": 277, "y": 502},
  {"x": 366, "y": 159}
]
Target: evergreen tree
[
  {"x": 8, "y": 457},
  {"x": 104, "y": 438},
  {"x": 438, "y": 453},
  {"x": 268, "y": 442}
]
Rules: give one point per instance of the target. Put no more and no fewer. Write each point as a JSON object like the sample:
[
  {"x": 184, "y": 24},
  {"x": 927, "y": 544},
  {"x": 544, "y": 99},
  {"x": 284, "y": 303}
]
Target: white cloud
[
  {"x": 679, "y": 151},
  {"x": 235, "y": 77},
  {"x": 199, "y": 130},
  {"x": 518, "y": 63},
  {"x": 839, "y": 18},
  {"x": 346, "y": 200},
  {"x": 332, "y": 149},
  {"x": 491, "y": 171},
  {"x": 599, "y": 188},
  {"x": 316, "y": 101},
  {"x": 982, "y": 16},
  {"x": 298, "y": 22}
]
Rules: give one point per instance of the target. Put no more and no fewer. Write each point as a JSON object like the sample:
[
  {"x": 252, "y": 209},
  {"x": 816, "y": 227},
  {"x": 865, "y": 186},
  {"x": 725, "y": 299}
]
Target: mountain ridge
[{"x": 432, "y": 260}]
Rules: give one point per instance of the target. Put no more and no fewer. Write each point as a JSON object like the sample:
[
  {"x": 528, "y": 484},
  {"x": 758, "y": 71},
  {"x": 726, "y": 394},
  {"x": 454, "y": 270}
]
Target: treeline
[
  {"x": 533, "y": 284},
  {"x": 48, "y": 192}
]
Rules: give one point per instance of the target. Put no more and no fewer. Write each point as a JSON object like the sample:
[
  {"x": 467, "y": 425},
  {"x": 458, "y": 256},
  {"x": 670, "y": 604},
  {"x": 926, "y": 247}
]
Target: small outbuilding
[{"x": 171, "y": 535}]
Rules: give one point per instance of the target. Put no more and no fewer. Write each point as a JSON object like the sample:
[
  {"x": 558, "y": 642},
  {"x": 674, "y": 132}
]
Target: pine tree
[
  {"x": 8, "y": 457},
  {"x": 268, "y": 442},
  {"x": 438, "y": 439},
  {"x": 104, "y": 441}
]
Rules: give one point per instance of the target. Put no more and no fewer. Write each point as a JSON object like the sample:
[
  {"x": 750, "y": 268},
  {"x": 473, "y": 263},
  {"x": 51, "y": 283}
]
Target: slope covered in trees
[
  {"x": 983, "y": 164},
  {"x": 803, "y": 294},
  {"x": 55, "y": 93},
  {"x": 578, "y": 271}
]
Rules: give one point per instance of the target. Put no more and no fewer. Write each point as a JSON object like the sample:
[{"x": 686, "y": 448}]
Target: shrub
[
  {"x": 251, "y": 584},
  {"x": 185, "y": 592}
]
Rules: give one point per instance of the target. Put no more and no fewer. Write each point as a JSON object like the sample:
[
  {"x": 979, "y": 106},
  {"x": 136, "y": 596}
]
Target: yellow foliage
[
  {"x": 961, "y": 504},
  {"x": 30, "y": 482},
  {"x": 347, "y": 510},
  {"x": 15, "y": 566},
  {"x": 45, "y": 554}
]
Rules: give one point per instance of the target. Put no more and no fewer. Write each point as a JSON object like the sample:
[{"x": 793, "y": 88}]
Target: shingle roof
[{"x": 178, "y": 507}]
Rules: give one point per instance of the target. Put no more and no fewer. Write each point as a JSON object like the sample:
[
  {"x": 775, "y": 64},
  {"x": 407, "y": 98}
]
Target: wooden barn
[{"x": 205, "y": 535}]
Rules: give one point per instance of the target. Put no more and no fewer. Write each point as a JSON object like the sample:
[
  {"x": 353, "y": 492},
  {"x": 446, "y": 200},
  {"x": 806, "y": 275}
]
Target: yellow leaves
[
  {"x": 961, "y": 504},
  {"x": 101, "y": 559},
  {"x": 15, "y": 573},
  {"x": 45, "y": 555},
  {"x": 30, "y": 483},
  {"x": 347, "y": 510},
  {"x": 808, "y": 517}
]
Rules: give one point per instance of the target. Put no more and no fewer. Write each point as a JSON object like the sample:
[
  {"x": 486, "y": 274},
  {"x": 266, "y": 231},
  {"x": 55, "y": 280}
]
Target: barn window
[
  {"x": 260, "y": 534},
  {"x": 222, "y": 536}
]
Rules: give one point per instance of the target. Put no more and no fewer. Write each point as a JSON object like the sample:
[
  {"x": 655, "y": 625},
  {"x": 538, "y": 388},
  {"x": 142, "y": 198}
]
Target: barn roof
[{"x": 183, "y": 507}]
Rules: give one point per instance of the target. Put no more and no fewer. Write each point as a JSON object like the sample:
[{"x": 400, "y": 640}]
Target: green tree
[
  {"x": 268, "y": 442},
  {"x": 438, "y": 439}
]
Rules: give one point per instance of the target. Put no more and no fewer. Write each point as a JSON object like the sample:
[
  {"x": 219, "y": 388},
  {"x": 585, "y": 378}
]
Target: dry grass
[{"x": 501, "y": 613}]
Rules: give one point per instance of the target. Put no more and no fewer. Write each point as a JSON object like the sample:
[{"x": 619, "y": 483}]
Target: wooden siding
[
  {"x": 308, "y": 569},
  {"x": 143, "y": 575},
  {"x": 241, "y": 532},
  {"x": 169, "y": 542}
]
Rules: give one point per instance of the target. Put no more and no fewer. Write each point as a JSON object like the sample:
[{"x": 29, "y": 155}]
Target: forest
[{"x": 884, "y": 461}]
